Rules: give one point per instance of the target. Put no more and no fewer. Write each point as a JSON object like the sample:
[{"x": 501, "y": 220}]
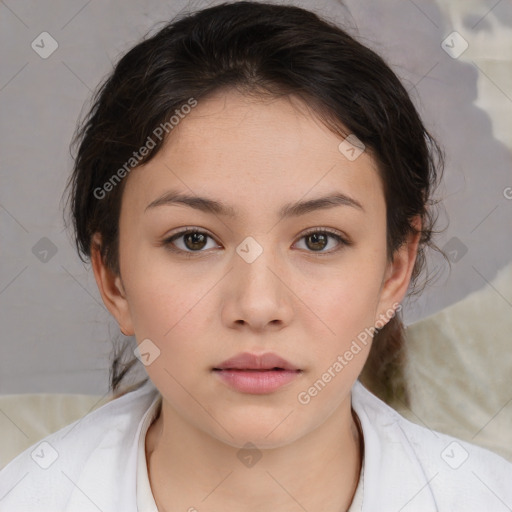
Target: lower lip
[{"x": 257, "y": 381}]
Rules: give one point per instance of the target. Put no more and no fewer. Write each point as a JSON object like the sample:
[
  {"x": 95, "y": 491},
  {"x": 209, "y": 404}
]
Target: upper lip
[{"x": 248, "y": 361}]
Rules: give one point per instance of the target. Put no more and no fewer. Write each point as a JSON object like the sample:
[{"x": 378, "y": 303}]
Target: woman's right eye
[{"x": 188, "y": 241}]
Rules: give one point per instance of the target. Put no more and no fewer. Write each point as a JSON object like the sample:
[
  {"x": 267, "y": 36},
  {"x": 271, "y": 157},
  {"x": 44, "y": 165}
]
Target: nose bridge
[
  {"x": 255, "y": 259},
  {"x": 260, "y": 296}
]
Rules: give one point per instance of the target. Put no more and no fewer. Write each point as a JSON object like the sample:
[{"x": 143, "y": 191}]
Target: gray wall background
[{"x": 56, "y": 333}]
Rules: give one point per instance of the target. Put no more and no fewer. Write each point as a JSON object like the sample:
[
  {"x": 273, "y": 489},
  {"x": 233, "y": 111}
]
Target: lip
[
  {"x": 248, "y": 361},
  {"x": 256, "y": 374}
]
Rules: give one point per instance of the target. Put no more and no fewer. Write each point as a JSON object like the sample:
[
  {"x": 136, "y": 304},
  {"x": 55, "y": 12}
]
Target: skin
[{"x": 307, "y": 306}]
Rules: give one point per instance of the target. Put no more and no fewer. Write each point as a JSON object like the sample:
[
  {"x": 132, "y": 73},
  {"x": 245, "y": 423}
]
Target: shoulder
[
  {"x": 414, "y": 467},
  {"x": 71, "y": 468}
]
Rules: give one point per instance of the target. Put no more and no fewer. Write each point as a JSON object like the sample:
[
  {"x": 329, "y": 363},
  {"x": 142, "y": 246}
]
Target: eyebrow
[{"x": 289, "y": 210}]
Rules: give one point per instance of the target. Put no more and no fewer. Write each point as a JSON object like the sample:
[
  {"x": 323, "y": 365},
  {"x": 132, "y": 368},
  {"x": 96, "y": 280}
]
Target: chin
[{"x": 263, "y": 435}]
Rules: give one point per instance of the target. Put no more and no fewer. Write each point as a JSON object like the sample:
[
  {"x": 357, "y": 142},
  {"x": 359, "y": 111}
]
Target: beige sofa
[{"x": 458, "y": 376}]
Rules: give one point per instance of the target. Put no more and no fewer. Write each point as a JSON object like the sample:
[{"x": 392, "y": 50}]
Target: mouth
[{"x": 256, "y": 374}]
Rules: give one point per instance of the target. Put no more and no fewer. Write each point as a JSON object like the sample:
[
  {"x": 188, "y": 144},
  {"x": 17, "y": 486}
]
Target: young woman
[{"x": 253, "y": 188}]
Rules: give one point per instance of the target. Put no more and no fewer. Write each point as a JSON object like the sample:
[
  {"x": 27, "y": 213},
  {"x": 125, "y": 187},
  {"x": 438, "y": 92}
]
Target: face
[{"x": 302, "y": 285}]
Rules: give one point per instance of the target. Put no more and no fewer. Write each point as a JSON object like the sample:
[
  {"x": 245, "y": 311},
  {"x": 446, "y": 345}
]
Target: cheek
[
  {"x": 346, "y": 303},
  {"x": 173, "y": 310},
  {"x": 340, "y": 347},
  {"x": 162, "y": 296},
  {"x": 171, "y": 316},
  {"x": 347, "y": 316},
  {"x": 346, "y": 296},
  {"x": 167, "y": 309}
]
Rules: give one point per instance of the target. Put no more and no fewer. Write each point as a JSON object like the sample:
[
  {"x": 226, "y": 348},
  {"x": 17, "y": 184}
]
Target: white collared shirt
[
  {"x": 145, "y": 499},
  {"x": 98, "y": 463}
]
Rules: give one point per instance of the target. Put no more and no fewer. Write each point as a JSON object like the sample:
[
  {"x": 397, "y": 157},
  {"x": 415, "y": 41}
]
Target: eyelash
[{"x": 189, "y": 230}]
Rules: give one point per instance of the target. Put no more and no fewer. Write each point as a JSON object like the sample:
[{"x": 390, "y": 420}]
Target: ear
[
  {"x": 111, "y": 288},
  {"x": 398, "y": 274}
]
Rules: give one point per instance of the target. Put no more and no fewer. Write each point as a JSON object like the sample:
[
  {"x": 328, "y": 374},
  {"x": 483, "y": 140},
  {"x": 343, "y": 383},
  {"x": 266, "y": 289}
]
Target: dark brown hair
[{"x": 259, "y": 48}]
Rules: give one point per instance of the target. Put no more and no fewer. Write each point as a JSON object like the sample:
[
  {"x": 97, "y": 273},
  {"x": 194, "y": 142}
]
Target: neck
[{"x": 319, "y": 471}]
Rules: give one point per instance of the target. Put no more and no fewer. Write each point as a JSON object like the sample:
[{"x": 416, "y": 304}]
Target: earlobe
[
  {"x": 111, "y": 288},
  {"x": 399, "y": 271}
]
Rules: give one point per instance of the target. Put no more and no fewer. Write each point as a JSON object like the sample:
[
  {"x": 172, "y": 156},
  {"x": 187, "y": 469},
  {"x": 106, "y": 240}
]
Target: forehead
[{"x": 237, "y": 146}]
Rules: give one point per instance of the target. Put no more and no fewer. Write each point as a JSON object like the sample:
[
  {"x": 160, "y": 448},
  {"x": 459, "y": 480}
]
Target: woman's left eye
[
  {"x": 194, "y": 241},
  {"x": 318, "y": 239}
]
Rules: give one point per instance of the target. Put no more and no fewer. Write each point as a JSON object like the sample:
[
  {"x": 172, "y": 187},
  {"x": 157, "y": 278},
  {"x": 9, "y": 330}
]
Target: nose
[{"x": 258, "y": 297}]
